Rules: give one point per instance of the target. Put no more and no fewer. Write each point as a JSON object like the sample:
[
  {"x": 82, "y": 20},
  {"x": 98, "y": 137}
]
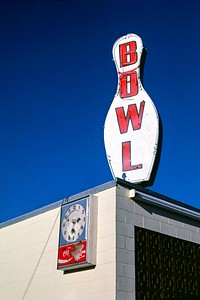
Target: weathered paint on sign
[{"x": 132, "y": 123}]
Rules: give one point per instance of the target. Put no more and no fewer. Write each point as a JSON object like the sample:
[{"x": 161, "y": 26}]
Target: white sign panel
[{"x": 132, "y": 123}]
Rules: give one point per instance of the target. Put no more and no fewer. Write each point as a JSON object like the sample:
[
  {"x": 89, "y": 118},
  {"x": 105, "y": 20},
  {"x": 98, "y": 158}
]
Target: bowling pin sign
[{"x": 132, "y": 123}]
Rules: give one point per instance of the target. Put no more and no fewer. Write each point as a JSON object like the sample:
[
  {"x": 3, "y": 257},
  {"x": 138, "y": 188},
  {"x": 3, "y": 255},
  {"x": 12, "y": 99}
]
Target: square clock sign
[{"x": 77, "y": 237}]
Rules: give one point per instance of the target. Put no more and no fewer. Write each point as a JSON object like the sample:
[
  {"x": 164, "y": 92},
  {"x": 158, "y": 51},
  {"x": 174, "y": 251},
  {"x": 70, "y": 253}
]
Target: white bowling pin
[{"x": 132, "y": 123}]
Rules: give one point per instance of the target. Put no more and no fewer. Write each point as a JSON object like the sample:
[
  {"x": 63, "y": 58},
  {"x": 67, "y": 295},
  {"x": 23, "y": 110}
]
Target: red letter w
[{"x": 132, "y": 114}]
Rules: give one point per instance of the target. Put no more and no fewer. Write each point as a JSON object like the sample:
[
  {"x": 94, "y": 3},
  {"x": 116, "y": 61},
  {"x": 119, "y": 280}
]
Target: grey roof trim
[
  {"x": 57, "y": 204},
  {"x": 142, "y": 194},
  {"x": 142, "y": 197},
  {"x": 31, "y": 214},
  {"x": 94, "y": 190},
  {"x": 155, "y": 195}
]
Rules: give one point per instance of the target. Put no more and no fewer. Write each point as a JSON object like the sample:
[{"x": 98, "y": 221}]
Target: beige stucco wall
[{"x": 28, "y": 258}]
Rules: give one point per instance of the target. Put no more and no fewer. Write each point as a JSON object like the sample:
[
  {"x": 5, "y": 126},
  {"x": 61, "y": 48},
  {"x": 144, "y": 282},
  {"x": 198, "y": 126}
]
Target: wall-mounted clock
[
  {"x": 77, "y": 238},
  {"x": 74, "y": 222}
]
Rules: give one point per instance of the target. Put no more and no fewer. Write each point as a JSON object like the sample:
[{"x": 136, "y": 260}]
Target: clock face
[{"x": 73, "y": 222}]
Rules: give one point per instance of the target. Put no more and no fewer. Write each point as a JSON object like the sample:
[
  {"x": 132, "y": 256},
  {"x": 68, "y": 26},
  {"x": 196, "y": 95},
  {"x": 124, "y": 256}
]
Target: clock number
[
  {"x": 74, "y": 206},
  {"x": 83, "y": 211}
]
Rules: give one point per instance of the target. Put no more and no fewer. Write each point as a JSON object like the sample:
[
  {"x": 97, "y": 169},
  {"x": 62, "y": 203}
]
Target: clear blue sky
[{"x": 57, "y": 81}]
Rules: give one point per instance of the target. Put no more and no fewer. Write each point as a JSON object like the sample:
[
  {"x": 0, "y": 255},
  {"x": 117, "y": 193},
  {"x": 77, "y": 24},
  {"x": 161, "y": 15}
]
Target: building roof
[{"x": 141, "y": 195}]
